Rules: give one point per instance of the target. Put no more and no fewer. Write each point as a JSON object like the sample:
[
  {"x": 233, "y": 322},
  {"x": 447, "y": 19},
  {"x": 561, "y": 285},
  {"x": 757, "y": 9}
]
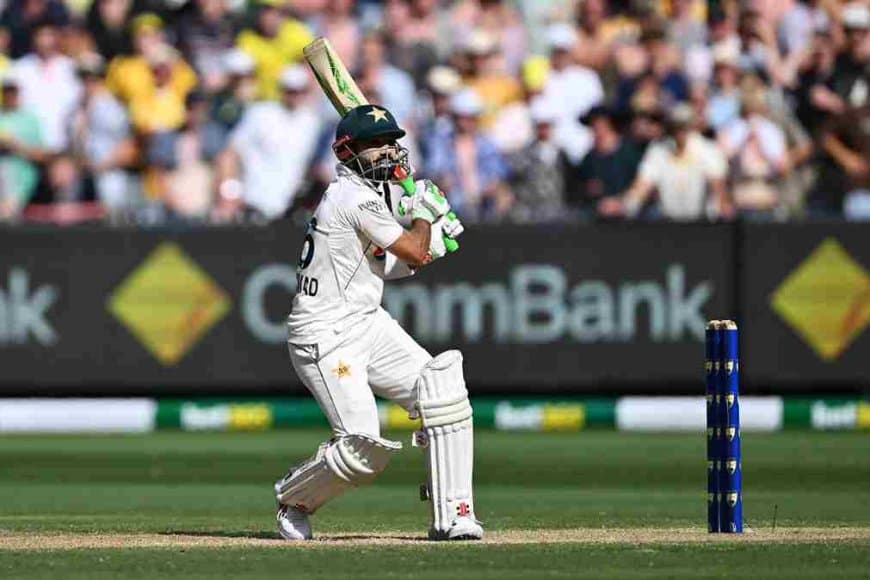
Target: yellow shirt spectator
[
  {"x": 271, "y": 55},
  {"x": 161, "y": 110},
  {"x": 131, "y": 78},
  {"x": 495, "y": 91}
]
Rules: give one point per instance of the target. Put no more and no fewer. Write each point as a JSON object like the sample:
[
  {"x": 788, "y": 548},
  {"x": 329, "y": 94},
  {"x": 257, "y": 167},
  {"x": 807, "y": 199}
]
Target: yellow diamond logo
[
  {"x": 168, "y": 302},
  {"x": 826, "y": 299}
]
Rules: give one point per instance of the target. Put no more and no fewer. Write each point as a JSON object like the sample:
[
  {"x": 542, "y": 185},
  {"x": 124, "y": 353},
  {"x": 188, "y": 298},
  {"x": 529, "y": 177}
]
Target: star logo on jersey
[
  {"x": 342, "y": 370},
  {"x": 378, "y": 115}
]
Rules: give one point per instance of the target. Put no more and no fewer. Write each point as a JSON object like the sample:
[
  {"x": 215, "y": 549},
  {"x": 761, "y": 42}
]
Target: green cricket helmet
[{"x": 375, "y": 124}]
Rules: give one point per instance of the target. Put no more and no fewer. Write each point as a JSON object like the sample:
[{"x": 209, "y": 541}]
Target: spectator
[
  {"x": 846, "y": 140},
  {"x": 721, "y": 37},
  {"x": 607, "y": 170},
  {"x": 161, "y": 108},
  {"x": 723, "y": 106},
  {"x": 205, "y": 32},
  {"x": 131, "y": 78},
  {"x": 20, "y": 151},
  {"x": 756, "y": 150},
  {"x": 797, "y": 25},
  {"x": 843, "y": 96},
  {"x": 684, "y": 29},
  {"x": 338, "y": 24},
  {"x": 421, "y": 24},
  {"x": 420, "y": 34},
  {"x": 109, "y": 23},
  {"x": 500, "y": 21},
  {"x": 646, "y": 127},
  {"x": 670, "y": 84},
  {"x": 814, "y": 93},
  {"x": 681, "y": 169},
  {"x": 63, "y": 179},
  {"x": 76, "y": 40},
  {"x": 276, "y": 41},
  {"x": 796, "y": 182},
  {"x": 485, "y": 76},
  {"x": 443, "y": 82},
  {"x": 852, "y": 67},
  {"x": 183, "y": 161},
  {"x": 20, "y": 18},
  {"x": 575, "y": 87},
  {"x": 467, "y": 164},
  {"x": 103, "y": 142},
  {"x": 538, "y": 171},
  {"x": 394, "y": 87},
  {"x": 759, "y": 51},
  {"x": 238, "y": 92},
  {"x": 259, "y": 174},
  {"x": 592, "y": 49},
  {"x": 49, "y": 86},
  {"x": 512, "y": 129}
]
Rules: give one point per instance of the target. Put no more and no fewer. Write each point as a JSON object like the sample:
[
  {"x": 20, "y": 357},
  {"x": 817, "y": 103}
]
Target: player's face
[
  {"x": 375, "y": 149},
  {"x": 376, "y": 158}
]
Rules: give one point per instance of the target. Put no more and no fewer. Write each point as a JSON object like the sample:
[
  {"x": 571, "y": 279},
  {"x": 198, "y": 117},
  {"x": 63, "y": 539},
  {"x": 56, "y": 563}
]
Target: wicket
[{"x": 724, "y": 469}]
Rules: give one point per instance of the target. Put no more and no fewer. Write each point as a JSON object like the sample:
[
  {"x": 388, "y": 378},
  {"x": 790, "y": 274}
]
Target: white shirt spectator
[
  {"x": 746, "y": 134},
  {"x": 577, "y": 89},
  {"x": 106, "y": 127},
  {"x": 51, "y": 89},
  {"x": 275, "y": 145},
  {"x": 512, "y": 128},
  {"x": 682, "y": 180}
]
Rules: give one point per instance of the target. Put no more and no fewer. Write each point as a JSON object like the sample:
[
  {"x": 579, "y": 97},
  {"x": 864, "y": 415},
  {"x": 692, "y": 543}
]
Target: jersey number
[{"x": 307, "y": 253}]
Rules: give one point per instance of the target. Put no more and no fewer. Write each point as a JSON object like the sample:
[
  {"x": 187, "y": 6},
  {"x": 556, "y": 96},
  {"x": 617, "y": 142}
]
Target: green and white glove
[
  {"x": 437, "y": 247},
  {"x": 428, "y": 202}
]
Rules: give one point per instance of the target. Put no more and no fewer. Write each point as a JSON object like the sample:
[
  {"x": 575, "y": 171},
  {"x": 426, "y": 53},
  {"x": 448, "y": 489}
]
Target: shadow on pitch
[
  {"x": 257, "y": 535},
  {"x": 260, "y": 535}
]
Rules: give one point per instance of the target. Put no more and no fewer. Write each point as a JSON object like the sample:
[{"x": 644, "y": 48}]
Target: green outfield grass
[{"x": 218, "y": 486}]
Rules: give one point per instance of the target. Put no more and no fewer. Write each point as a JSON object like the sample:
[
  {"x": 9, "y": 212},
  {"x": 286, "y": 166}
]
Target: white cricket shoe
[
  {"x": 293, "y": 523},
  {"x": 462, "y": 528}
]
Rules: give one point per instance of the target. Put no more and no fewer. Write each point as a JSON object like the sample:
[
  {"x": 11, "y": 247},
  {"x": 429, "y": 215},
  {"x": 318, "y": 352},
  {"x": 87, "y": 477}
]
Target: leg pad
[{"x": 344, "y": 462}]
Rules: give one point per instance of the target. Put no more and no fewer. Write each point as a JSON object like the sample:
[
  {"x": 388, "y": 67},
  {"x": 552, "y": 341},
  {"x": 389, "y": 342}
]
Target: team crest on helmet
[{"x": 379, "y": 115}]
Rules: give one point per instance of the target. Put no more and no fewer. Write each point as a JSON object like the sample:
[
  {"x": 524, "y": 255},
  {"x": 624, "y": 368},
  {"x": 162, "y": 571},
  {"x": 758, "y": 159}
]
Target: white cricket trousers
[{"x": 374, "y": 357}]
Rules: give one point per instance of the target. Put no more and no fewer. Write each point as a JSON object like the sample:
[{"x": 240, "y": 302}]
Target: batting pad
[
  {"x": 447, "y": 435},
  {"x": 344, "y": 462}
]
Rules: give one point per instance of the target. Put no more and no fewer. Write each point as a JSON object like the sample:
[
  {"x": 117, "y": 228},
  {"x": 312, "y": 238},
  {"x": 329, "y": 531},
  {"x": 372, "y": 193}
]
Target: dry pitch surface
[{"x": 633, "y": 536}]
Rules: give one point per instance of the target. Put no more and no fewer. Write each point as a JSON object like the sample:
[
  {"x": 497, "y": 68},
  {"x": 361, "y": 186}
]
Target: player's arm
[
  {"x": 412, "y": 247},
  {"x": 370, "y": 216}
]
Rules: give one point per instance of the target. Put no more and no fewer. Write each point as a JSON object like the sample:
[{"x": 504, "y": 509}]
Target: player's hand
[
  {"x": 437, "y": 245},
  {"x": 428, "y": 202}
]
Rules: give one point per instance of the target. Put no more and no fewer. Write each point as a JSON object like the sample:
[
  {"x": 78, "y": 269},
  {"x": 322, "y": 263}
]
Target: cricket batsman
[{"x": 346, "y": 348}]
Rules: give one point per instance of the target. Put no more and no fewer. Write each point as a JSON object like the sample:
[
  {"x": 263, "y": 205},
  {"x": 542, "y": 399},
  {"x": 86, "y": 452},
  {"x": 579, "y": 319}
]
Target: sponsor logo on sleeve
[{"x": 373, "y": 206}]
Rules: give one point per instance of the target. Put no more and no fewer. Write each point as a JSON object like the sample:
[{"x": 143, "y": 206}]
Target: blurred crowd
[{"x": 194, "y": 111}]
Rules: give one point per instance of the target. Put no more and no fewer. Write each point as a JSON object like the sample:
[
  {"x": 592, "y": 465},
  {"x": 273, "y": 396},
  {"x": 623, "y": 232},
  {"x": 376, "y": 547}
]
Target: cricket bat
[{"x": 344, "y": 94}]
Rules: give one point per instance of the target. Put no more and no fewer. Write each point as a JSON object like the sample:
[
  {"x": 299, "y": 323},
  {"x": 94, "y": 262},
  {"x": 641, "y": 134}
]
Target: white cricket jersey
[{"x": 341, "y": 269}]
